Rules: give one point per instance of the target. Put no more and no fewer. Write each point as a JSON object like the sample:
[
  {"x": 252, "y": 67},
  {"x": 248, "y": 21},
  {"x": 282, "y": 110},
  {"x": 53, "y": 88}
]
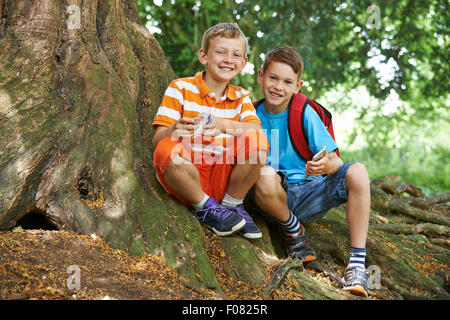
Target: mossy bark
[
  {"x": 80, "y": 82},
  {"x": 76, "y": 103}
]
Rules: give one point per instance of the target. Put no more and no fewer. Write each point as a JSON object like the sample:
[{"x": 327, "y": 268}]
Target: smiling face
[
  {"x": 224, "y": 60},
  {"x": 278, "y": 83}
]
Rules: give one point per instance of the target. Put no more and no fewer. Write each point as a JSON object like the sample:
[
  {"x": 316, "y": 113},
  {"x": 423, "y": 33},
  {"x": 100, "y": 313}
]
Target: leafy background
[{"x": 381, "y": 67}]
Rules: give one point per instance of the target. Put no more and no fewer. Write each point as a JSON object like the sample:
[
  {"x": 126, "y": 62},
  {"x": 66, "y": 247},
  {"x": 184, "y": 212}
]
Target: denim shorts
[{"x": 309, "y": 201}]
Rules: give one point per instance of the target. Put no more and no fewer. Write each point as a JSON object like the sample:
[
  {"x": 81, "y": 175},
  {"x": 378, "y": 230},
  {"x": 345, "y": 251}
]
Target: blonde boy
[{"x": 202, "y": 171}]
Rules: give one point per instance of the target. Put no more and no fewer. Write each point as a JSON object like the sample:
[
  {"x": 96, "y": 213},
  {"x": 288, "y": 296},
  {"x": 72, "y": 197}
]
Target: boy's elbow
[
  {"x": 156, "y": 138},
  {"x": 160, "y": 133},
  {"x": 154, "y": 141}
]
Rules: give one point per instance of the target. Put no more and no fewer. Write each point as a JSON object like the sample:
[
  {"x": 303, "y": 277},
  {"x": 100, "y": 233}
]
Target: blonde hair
[
  {"x": 226, "y": 30},
  {"x": 285, "y": 54}
]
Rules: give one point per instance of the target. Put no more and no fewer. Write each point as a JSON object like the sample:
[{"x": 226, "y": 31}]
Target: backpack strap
[
  {"x": 326, "y": 118},
  {"x": 257, "y": 103},
  {"x": 296, "y": 128}
]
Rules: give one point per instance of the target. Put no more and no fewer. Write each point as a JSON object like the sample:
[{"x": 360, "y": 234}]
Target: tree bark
[{"x": 80, "y": 83}]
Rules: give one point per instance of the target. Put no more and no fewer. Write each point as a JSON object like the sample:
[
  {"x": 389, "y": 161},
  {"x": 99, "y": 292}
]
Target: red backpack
[{"x": 296, "y": 128}]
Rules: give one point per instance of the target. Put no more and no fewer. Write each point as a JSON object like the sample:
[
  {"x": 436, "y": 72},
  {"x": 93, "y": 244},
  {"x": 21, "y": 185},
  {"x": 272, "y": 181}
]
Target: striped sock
[
  {"x": 292, "y": 226},
  {"x": 357, "y": 257}
]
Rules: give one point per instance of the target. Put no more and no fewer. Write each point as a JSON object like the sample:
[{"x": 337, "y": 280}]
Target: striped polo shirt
[{"x": 188, "y": 97}]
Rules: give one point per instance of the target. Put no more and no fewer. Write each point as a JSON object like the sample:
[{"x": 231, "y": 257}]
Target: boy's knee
[
  {"x": 268, "y": 185},
  {"x": 253, "y": 142},
  {"x": 168, "y": 152},
  {"x": 262, "y": 157},
  {"x": 177, "y": 161}
]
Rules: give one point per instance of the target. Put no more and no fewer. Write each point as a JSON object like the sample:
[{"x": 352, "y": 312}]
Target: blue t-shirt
[{"x": 282, "y": 155}]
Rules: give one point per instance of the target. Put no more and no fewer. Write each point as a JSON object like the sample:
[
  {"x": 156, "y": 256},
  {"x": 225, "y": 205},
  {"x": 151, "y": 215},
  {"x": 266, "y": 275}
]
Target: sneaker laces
[
  {"x": 242, "y": 213},
  {"x": 215, "y": 211},
  {"x": 355, "y": 275}
]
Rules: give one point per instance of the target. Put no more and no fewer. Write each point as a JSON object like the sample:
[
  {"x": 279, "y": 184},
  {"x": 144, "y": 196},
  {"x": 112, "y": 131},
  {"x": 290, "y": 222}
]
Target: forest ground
[
  {"x": 35, "y": 264},
  {"x": 37, "y": 261}
]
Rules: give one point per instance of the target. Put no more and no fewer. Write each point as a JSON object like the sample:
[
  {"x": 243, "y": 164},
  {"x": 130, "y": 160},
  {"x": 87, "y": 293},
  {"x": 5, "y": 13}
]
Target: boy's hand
[
  {"x": 329, "y": 164},
  {"x": 215, "y": 127}
]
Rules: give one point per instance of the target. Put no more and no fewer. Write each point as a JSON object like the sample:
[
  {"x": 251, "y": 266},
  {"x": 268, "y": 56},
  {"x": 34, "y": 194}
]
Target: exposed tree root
[
  {"x": 428, "y": 229},
  {"x": 427, "y": 202},
  {"x": 330, "y": 273},
  {"x": 280, "y": 274},
  {"x": 400, "y": 206}
]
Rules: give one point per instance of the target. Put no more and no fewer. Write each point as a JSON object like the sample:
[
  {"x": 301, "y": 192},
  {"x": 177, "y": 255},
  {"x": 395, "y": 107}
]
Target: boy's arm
[
  {"x": 248, "y": 119},
  {"x": 168, "y": 120},
  {"x": 229, "y": 126},
  {"x": 160, "y": 133},
  {"x": 185, "y": 127},
  {"x": 319, "y": 138},
  {"x": 182, "y": 127}
]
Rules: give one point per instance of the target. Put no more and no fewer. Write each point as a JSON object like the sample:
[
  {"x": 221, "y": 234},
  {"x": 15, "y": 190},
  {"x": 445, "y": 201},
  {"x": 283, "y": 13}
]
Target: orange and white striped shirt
[{"x": 189, "y": 97}]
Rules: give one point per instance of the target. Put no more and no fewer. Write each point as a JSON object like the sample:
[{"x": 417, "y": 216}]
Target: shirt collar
[{"x": 204, "y": 89}]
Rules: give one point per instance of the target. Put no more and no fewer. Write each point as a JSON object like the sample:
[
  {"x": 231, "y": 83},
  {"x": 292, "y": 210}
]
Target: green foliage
[
  {"x": 427, "y": 172},
  {"x": 337, "y": 40},
  {"x": 420, "y": 156},
  {"x": 388, "y": 47}
]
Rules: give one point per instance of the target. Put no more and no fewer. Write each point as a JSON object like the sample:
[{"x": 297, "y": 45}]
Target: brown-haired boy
[
  {"x": 225, "y": 159},
  {"x": 299, "y": 193}
]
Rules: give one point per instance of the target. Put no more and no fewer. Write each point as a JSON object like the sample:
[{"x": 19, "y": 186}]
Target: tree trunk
[{"x": 80, "y": 83}]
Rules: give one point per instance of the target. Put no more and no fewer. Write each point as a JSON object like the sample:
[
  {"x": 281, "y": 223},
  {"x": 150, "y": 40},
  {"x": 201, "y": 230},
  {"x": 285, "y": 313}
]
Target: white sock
[
  {"x": 230, "y": 201},
  {"x": 201, "y": 204}
]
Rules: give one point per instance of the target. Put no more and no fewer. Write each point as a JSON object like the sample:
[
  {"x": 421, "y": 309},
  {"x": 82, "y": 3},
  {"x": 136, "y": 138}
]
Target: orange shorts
[{"x": 214, "y": 170}]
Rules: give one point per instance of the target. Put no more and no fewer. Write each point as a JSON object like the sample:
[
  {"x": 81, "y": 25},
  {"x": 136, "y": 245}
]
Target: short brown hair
[
  {"x": 226, "y": 30},
  {"x": 285, "y": 54}
]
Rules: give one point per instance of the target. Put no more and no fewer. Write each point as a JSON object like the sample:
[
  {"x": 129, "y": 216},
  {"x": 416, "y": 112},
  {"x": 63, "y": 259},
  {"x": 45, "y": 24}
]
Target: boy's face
[
  {"x": 278, "y": 84},
  {"x": 225, "y": 58}
]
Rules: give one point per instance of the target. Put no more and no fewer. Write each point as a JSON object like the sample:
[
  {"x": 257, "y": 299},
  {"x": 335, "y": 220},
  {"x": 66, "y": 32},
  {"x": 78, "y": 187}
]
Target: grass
[{"x": 427, "y": 168}]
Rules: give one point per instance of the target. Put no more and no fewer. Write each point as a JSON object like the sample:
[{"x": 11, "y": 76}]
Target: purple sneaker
[
  {"x": 250, "y": 230},
  {"x": 218, "y": 218}
]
